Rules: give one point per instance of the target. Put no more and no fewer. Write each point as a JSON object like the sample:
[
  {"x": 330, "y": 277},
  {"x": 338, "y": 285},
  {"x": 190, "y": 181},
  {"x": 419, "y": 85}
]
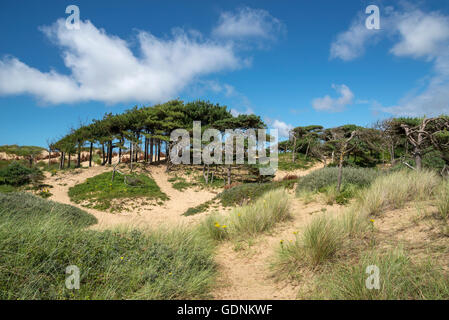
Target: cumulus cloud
[
  {"x": 416, "y": 34},
  {"x": 282, "y": 127},
  {"x": 248, "y": 23},
  {"x": 103, "y": 67},
  {"x": 330, "y": 104},
  {"x": 351, "y": 43}
]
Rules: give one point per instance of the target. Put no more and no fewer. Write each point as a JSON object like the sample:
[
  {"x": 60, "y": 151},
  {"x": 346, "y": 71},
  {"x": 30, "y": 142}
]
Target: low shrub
[
  {"x": 325, "y": 177},
  {"x": 16, "y": 174}
]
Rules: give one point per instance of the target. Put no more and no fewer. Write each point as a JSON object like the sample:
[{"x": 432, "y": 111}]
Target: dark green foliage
[
  {"x": 301, "y": 162},
  {"x": 249, "y": 192},
  {"x": 21, "y": 150},
  {"x": 198, "y": 209},
  {"x": 17, "y": 175},
  {"x": 100, "y": 190},
  {"x": 322, "y": 178}
]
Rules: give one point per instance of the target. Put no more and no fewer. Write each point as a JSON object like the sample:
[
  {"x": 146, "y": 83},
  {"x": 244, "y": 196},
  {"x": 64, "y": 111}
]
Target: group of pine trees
[
  {"x": 413, "y": 142},
  {"x": 146, "y": 130}
]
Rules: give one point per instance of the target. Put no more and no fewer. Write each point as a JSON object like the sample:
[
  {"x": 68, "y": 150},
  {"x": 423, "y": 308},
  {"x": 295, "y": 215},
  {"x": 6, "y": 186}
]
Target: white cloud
[
  {"x": 103, "y": 67},
  {"x": 248, "y": 23},
  {"x": 416, "y": 34},
  {"x": 334, "y": 104},
  {"x": 421, "y": 34},
  {"x": 351, "y": 44},
  {"x": 282, "y": 127}
]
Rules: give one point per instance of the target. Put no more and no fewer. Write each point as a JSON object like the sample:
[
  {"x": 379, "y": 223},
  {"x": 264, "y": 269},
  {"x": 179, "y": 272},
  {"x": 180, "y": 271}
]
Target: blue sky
[{"x": 292, "y": 62}]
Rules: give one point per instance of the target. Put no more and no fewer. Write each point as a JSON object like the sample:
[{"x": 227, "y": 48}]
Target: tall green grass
[
  {"x": 250, "y": 220},
  {"x": 40, "y": 238},
  {"x": 392, "y": 191},
  {"x": 442, "y": 199},
  {"x": 399, "y": 279}
]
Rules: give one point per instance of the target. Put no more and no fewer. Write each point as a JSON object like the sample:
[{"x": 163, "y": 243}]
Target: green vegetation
[
  {"x": 179, "y": 183},
  {"x": 249, "y": 220},
  {"x": 323, "y": 182},
  {"x": 241, "y": 194},
  {"x": 21, "y": 150},
  {"x": 40, "y": 238},
  {"x": 198, "y": 209},
  {"x": 99, "y": 191},
  {"x": 325, "y": 177},
  {"x": 17, "y": 175},
  {"x": 392, "y": 191},
  {"x": 250, "y": 192},
  {"x": 442, "y": 199},
  {"x": 400, "y": 279},
  {"x": 285, "y": 162}
]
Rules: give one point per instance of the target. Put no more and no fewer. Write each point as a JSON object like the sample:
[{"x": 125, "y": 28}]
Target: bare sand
[{"x": 147, "y": 215}]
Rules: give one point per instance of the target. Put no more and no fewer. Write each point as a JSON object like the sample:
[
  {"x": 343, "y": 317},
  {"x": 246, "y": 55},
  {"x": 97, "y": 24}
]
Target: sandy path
[
  {"x": 246, "y": 274},
  {"x": 167, "y": 214}
]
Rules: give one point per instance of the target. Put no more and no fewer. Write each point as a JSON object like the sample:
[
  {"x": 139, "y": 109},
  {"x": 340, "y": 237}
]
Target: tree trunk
[
  {"x": 103, "y": 155},
  {"x": 151, "y": 150},
  {"x": 120, "y": 151},
  {"x": 206, "y": 173},
  {"x": 78, "y": 162},
  {"x": 110, "y": 152},
  {"x": 49, "y": 157},
  {"x": 145, "y": 155},
  {"x": 68, "y": 163},
  {"x": 60, "y": 160},
  {"x": 418, "y": 159},
  {"x": 229, "y": 175},
  {"x": 90, "y": 154},
  {"x": 294, "y": 150},
  {"x": 131, "y": 154},
  {"x": 63, "y": 160}
]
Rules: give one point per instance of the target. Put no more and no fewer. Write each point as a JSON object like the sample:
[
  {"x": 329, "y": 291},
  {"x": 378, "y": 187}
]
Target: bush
[
  {"x": 395, "y": 189},
  {"x": 325, "y": 177},
  {"x": 18, "y": 175},
  {"x": 400, "y": 279},
  {"x": 39, "y": 239}
]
